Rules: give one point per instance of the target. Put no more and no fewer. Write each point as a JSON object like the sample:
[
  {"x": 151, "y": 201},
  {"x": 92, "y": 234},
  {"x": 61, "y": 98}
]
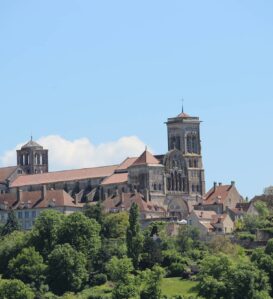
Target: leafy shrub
[
  {"x": 98, "y": 279},
  {"x": 177, "y": 269},
  {"x": 247, "y": 236}
]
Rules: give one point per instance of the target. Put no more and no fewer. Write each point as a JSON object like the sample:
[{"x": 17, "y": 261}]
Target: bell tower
[
  {"x": 33, "y": 158},
  {"x": 184, "y": 136}
]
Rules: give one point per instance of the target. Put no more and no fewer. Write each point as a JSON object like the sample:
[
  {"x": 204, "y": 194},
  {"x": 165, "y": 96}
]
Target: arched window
[
  {"x": 180, "y": 182},
  {"x": 192, "y": 145},
  {"x": 155, "y": 187},
  {"x": 159, "y": 187},
  {"x": 169, "y": 184},
  {"x": 195, "y": 163}
]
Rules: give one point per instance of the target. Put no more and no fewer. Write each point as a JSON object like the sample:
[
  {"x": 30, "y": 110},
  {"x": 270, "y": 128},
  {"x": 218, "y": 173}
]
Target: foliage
[
  {"x": 44, "y": 235},
  {"x": 134, "y": 236},
  {"x": 153, "y": 279},
  {"x": 151, "y": 254},
  {"x": 28, "y": 266},
  {"x": 66, "y": 269},
  {"x": 81, "y": 233},
  {"x": 109, "y": 248},
  {"x": 187, "y": 237},
  {"x": 269, "y": 247},
  {"x": 251, "y": 223},
  {"x": 11, "y": 225},
  {"x": 10, "y": 246},
  {"x": 177, "y": 269},
  {"x": 262, "y": 209},
  {"x": 221, "y": 278},
  {"x": 115, "y": 225},
  {"x": 126, "y": 289},
  {"x": 94, "y": 212},
  {"x": 98, "y": 279},
  {"x": 15, "y": 289},
  {"x": 246, "y": 236},
  {"x": 119, "y": 269},
  {"x": 222, "y": 244}
]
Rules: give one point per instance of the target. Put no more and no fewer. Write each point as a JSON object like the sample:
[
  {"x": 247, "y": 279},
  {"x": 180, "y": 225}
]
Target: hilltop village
[
  {"x": 169, "y": 187},
  {"x": 146, "y": 228}
]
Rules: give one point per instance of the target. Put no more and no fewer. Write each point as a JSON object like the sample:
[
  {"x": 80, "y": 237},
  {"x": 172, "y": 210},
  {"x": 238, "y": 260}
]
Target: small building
[
  {"x": 27, "y": 205},
  {"x": 209, "y": 223},
  {"x": 123, "y": 201},
  {"x": 220, "y": 198}
]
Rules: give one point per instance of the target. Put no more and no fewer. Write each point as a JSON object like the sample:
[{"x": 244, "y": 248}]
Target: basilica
[{"x": 169, "y": 184}]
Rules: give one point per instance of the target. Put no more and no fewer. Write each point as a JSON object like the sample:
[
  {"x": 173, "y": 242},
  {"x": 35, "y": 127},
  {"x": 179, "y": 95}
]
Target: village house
[
  {"x": 123, "y": 201},
  {"x": 220, "y": 198},
  {"x": 27, "y": 205},
  {"x": 209, "y": 223}
]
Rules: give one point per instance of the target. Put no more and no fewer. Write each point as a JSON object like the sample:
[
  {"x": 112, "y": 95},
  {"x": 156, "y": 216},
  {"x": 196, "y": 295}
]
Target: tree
[
  {"x": 15, "y": 289},
  {"x": 94, "y": 212},
  {"x": 82, "y": 233},
  {"x": 10, "y": 246},
  {"x": 115, "y": 225},
  {"x": 119, "y": 269},
  {"x": 152, "y": 282},
  {"x": 187, "y": 236},
  {"x": 11, "y": 225},
  {"x": 66, "y": 269},
  {"x": 29, "y": 267},
  {"x": 219, "y": 277},
  {"x": 269, "y": 247},
  {"x": 134, "y": 237},
  {"x": 151, "y": 254},
  {"x": 246, "y": 282},
  {"x": 262, "y": 209},
  {"x": 44, "y": 235}
]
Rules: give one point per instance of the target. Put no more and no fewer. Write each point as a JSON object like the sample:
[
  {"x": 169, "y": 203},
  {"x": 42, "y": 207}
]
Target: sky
[{"x": 94, "y": 81}]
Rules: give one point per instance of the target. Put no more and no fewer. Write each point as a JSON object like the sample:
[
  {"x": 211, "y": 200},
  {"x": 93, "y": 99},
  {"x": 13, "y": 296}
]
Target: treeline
[{"x": 66, "y": 255}]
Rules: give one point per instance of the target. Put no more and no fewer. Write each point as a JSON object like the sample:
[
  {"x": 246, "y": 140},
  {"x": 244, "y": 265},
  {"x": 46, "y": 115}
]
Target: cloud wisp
[{"x": 80, "y": 153}]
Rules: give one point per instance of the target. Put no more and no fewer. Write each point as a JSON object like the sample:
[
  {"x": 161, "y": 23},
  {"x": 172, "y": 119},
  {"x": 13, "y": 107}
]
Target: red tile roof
[
  {"x": 146, "y": 158},
  {"x": 33, "y": 199},
  {"x": 204, "y": 214},
  {"x": 116, "y": 178},
  {"x": 125, "y": 200},
  {"x": 63, "y": 176},
  {"x": 218, "y": 193},
  {"x": 6, "y": 172},
  {"x": 126, "y": 163}
]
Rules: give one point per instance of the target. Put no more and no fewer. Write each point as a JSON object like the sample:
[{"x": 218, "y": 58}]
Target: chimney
[
  {"x": 214, "y": 186},
  {"x": 220, "y": 184},
  {"x": 232, "y": 183},
  {"x": 201, "y": 214},
  {"x": 43, "y": 191}
]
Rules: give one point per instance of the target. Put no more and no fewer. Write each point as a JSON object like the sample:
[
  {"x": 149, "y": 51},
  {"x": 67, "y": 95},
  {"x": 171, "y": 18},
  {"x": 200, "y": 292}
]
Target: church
[{"x": 170, "y": 184}]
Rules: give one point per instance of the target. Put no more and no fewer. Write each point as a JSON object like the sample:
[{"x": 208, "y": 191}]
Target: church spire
[{"x": 182, "y": 105}]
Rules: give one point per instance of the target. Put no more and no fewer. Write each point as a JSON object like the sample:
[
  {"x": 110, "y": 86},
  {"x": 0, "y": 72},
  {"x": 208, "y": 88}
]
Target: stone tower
[
  {"x": 184, "y": 138},
  {"x": 33, "y": 158}
]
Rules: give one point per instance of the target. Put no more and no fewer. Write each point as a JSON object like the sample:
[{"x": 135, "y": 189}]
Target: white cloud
[{"x": 80, "y": 153}]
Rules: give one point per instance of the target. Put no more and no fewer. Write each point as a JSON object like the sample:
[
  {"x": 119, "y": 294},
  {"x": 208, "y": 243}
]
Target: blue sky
[{"x": 108, "y": 69}]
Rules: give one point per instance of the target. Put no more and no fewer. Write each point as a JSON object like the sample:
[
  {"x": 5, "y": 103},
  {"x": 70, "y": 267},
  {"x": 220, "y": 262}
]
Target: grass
[
  {"x": 169, "y": 286},
  {"x": 177, "y": 286}
]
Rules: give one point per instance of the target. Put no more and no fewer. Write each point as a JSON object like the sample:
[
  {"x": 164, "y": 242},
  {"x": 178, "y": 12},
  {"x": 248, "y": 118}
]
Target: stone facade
[{"x": 32, "y": 158}]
